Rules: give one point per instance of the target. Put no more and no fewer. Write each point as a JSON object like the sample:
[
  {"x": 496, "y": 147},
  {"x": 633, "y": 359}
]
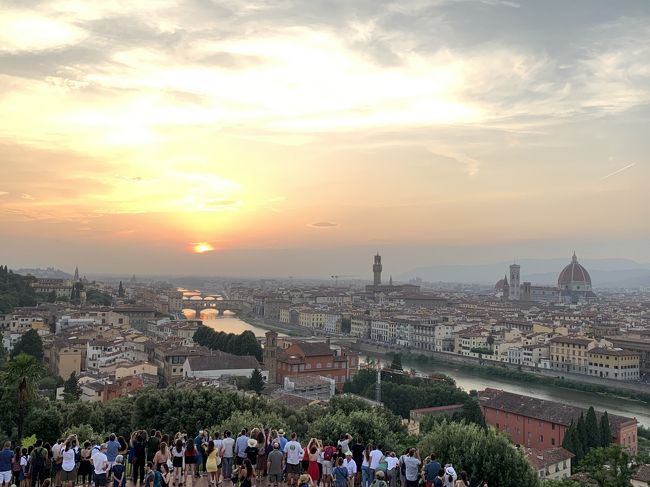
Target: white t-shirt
[
  {"x": 98, "y": 463},
  {"x": 375, "y": 457},
  {"x": 392, "y": 462},
  {"x": 294, "y": 452},
  {"x": 68, "y": 460},
  {"x": 23, "y": 461},
  {"x": 345, "y": 445},
  {"x": 228, "y": 446},
  {"x": 218, "y": 445},
  {"x": 351, "y": 465}
]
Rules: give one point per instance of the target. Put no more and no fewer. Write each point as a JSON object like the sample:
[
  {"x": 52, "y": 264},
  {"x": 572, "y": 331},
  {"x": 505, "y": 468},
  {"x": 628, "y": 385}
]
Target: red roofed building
[
  {"x": 539, "y": 424},
  {"x": 310, "y": 358}
]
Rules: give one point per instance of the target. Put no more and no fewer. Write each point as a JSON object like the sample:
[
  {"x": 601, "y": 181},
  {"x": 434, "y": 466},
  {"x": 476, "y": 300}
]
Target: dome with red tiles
[{"x": 574, "y": 277}]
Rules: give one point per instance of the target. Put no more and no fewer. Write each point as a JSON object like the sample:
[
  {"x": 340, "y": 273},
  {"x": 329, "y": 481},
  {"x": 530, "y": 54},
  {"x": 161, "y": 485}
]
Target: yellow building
[
  {"x": 66, "y": 357},
  {"x": 613, "y": 363},
  {"x": 139, "y": 368},
  {"x": 569, "y": 354}
]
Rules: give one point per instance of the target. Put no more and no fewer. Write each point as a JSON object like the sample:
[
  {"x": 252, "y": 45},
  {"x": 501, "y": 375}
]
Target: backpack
[
  {"x": 39, "y": 458},
  {"x": 328, "y": 452},
  {"x": 378, "y": 483},
  {"x": 402, "y": 467},
  {"x": 77, "y": 455},
  {"x": 15, "y": 465}
]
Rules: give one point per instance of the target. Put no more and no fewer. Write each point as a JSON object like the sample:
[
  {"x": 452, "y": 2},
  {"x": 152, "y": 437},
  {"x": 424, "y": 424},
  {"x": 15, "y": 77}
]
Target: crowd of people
[{"x": 249, "y": 457}]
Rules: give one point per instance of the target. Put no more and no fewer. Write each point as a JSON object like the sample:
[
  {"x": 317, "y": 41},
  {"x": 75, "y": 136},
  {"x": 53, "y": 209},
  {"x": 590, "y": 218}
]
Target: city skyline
[{"x": 297, "y": 138}]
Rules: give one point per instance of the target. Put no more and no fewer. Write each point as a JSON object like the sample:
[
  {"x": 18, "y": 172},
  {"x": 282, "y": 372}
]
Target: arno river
[{"x": 464, "y": 379}]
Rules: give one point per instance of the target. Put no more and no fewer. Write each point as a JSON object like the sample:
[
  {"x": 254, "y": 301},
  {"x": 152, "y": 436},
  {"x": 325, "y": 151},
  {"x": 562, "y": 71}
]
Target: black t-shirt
[{"x": 357, "y": 454}]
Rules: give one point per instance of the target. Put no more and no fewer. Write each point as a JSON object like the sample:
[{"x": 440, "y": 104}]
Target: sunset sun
[{"x": 202, "y": 247}]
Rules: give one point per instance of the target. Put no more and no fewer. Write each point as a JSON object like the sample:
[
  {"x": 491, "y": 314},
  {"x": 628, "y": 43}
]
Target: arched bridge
[{"x": 221, "y": 305}]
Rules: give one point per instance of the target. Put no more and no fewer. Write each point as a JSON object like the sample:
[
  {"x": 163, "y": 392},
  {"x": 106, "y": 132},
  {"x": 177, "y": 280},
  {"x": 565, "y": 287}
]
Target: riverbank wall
[{"x": 455, "y": 359}]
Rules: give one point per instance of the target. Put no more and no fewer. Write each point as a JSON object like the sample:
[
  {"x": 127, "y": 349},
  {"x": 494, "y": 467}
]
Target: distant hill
[
  {"x": 50, "y": 273},
  {"x": 604, "y": 272}
]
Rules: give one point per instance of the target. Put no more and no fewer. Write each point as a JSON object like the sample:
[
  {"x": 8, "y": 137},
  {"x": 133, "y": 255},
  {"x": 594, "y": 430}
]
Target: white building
[{"x": 221, "y": 364}]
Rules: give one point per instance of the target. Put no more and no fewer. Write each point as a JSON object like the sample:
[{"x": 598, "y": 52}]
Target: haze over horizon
[{"x": 250, "y": 138}]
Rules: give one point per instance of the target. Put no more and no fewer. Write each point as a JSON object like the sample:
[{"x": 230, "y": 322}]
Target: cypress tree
[
  {"x": 577, "y": 443},
  {"x": 593, "y": 439},
  {"x": 567, "y": 441},
  {"x": 605, "y": 430},
  {"x": 582, "y": 433}
]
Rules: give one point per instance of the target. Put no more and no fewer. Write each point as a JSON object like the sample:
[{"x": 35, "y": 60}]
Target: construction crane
[{"x": 336, "y": 279}]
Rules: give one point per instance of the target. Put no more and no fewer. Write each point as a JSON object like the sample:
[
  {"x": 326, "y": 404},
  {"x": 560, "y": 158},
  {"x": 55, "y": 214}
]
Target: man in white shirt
[
  {"x": 294, "y": 454},
  {"x": 100, "y": 464},
  {"x": 344, "y": 443},
  {"x": 228, "y": 446},
  {"x": 393, "y": 464},
  {"x": 351, "y": 465},
  {"x": 375, "y": 457},
  {"x": 57, "y": 460}
]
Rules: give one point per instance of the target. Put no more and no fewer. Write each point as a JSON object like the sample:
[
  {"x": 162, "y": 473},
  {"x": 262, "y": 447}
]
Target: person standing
[
  {"x": 344, "y": 443},
  {"x": 241, "y": 443},
  {"x": 313, "y": 452},
  {"x": 439, "y": 481},
  {"x": 211, "y": 464},
  {"x": 351, "y": 466},
  {"x": 162, "y": 456},
  {"x": 450, "y": 475},
  {"x": 431, "y": 470},
  {"x": 392, "y": 472},
  {"x": 139, "y": 459},
  {"x": 227, "y": 453},
  {"x": 112, "y": 448},
  {"x": 275, "y": 465},
  {"x": 340, "y": 474},
  {"x": 178, "y": 452},
  {"x": 294, "y": 454},
  {"x": 119, "y": 472},
  {"x": 37, "y": 462},
  {"x": 6, "y": 459},
  {"x": 412, "y": 464},
  {"x": 375, "y": 457},
  {"x": 100, "y": 464},
  {"x": 68, "y": 465},
  {"x": 198, "y": 444},
  {"x": 153, "y": 444}
]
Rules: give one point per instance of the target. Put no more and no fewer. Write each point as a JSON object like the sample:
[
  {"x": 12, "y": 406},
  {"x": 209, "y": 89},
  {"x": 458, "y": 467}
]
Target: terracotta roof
[
  {"x": 314, "y": 349},
  {"x": 550, "y": 411},
  {"x": 540, "y": 459},
  {"x": 573, "y": 273},
  {"x": 570, "y": 340},
  {"x": 222, "y": 361},
  {"x": 613, "y": 351},
  {"x": 642, "y": 474}
]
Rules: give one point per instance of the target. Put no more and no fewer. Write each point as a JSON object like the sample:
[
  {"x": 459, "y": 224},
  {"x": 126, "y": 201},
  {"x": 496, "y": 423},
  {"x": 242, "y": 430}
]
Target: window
[
  {"x": 541, "y": 438},
  {"x": 553, "y": 441}
]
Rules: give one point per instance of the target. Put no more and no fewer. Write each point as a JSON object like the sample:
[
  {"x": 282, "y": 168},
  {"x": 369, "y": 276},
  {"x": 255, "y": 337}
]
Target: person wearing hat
[
  {"x": 351, "y": 465},
  {"x": 275, "y": 464},
  {"x": 450, "y": 475},
  {"x": 282, "y": 439},
  {"x": 252, "y": 451}
]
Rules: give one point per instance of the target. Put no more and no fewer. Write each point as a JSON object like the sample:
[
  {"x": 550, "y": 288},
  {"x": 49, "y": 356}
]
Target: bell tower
[
  {"x": 270, "y": 356},
  {"x": 376, "y": 270},
  {"x": 514, "y": 283}
]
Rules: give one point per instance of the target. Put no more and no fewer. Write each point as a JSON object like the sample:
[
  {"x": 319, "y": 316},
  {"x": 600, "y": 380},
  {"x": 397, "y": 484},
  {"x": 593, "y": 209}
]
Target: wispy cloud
[
  {"x": 618, "y": 171},
  {"x": 323, "y": 224}
]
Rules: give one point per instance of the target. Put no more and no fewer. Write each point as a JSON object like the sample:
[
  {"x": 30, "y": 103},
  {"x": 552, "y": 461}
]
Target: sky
[{"x": 300, "y": 137}]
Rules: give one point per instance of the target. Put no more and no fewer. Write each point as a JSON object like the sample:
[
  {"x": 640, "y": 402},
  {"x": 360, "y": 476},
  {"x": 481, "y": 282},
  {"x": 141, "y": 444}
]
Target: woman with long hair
[
  {"x": 161, "y": 457},
  {"x": 246, "y": 474},
  {"x": 313, "y": 451},
  {"x": 68, "y": 465},
  {"x": 191, "y": 455},
  {"x": 178, "y": 452},
  {"x": 365, "y": 466},
  {"x": 212, "y": 464},
  {"x": 85, "y": 466},
  {"x": 262, "y": 446}
]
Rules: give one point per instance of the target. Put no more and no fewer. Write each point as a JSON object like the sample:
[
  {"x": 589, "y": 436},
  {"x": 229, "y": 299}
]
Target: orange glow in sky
[{"x": 202, "y": 247}]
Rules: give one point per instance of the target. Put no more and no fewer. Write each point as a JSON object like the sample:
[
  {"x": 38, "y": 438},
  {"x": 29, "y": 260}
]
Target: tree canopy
[
  {"x": 256, "y": 381},
  {"x": 486, "y": 453},
  {"x": 15, "y": 290},
  {"x": 242, "y": 344},
  {"x": 29, "y": 343}
]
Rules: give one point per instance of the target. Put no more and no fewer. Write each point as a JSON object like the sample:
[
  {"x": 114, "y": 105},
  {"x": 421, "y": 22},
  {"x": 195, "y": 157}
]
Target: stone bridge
[{"x": 220, "y": 305}]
